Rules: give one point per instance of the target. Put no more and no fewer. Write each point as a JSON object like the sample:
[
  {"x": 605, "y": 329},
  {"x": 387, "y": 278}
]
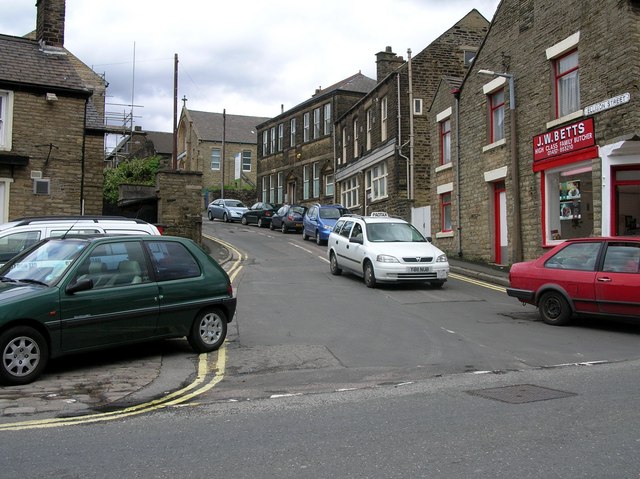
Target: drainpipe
[
  {"x": 399, "y": 145},
  {"x": 456, "y": 94},
  {"x": 83, "y": 159},
  {"x": 411, "y": 166}
]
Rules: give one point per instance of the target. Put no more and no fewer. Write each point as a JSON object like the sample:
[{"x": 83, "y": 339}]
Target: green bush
[{"x": 137, "y": 171}]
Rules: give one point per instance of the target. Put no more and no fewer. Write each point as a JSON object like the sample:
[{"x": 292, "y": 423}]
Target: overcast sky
[{"x": 246, "y": 56}]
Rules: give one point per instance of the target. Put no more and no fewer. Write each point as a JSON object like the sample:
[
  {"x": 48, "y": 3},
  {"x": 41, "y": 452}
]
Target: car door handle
[{"x": 604, "y": 279}]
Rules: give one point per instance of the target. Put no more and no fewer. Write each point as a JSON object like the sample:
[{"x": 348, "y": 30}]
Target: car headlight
[
  {"x": 441, "y": 259},
  {"x": 328, "y": 227},
  {"x": 385, "y": 258}
]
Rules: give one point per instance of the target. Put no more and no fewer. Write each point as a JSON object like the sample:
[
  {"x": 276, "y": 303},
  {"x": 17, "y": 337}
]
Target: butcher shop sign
[{"x": 567, "y": 139}]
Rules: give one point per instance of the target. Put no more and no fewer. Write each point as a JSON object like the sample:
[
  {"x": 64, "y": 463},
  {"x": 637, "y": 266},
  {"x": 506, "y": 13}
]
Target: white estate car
[{"x": 384, "y": 249}]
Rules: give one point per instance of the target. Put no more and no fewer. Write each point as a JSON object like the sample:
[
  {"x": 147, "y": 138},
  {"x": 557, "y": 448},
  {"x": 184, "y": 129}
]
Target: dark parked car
[
  {"x": 288, "y": 217},
  {"x": 260, "y": 214},
  {"x": 74, "y": 294},
  {"x": 594, "y": 276},
  {"x": 319, "y": 220},
  {"x": 226, "y": 210}
]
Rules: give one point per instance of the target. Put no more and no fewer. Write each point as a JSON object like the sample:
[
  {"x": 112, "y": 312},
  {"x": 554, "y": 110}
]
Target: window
[
  {"x": 568, "y": 193},
  {"x": 445, "y": 212},
  {"x": 172, "y": 261},
  {"x": 344, "y": 146},
  {"x": 327, "y": 119},
  {"x": 328, "y": 185},
  {"x": 496, "y": 103},
  {"x": 305, "y": 182},
  {"x": 246, "y": 160},
  {"x": 264, "y": 187},
  {"x": 567, "y": 81},
  {"x": 355, "y": 138},
  {"x": 292, "y": 134},
  {"x": 280, "y": 137},
  {"x": 469, "y": 55},
  {"x": 265, "y": 142},
  {"x": 305, "y": 127},
  {"x": 576, "y": 256},
  {"x": 622, "y": 258},
  {"x": 417, "y": 106},
  {"x": 272, "y": 193},
  {"x": 445, "y": 142},
  {"x": 215, "y": 159},
  {"x": 316, "y": 180},
  {"x": 272, "y": 148},
  {"x": 280, "y": 186},
  {"x": 377, "y": 181},
  {"x": 369, "y": 126},
  {"x": 383, "y": 119},
  {"x": 6, "y": 116},
  {"x": 316, "y": 123},
  {"x": 351, "y": 192}
]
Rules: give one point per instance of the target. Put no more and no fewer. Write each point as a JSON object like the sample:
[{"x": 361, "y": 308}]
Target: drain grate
[{"x": 521, "y": 393}]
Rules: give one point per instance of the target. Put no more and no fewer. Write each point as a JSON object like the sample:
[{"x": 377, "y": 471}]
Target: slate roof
[
  {"x": 238, "y": 128},
  {"x": 26, "y": 65},
  {"x": 162, "y": 141}
]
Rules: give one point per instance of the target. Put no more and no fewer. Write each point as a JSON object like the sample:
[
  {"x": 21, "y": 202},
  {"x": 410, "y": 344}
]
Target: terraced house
[
  {"x": 51, "y": 123},
  {"x": 383, "y": 143},
  {"x": 545, "y": 132},
  {"x": 296, "y": 148}
]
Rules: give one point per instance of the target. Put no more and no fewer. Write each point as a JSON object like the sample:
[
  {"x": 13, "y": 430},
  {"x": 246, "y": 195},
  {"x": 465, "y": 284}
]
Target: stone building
[
  {"x": 549, "y": 130},
  {"x": 51, "y": 123},
  {"x": 383, "y": 143},
  {"x": 220, "y": 146},
  {"x": 143, "y": 144},
  {"x": 296, "y": 148}
]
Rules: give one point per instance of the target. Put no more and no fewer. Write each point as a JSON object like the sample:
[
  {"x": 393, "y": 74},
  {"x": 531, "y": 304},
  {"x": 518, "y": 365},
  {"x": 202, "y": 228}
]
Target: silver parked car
[{"x": 226, "y": 209}]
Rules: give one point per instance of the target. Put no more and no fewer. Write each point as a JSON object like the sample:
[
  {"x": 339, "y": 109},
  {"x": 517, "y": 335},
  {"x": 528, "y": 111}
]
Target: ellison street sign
[
  {"x": 607, "y": 104},
  {"x": 561, "y": 141}
]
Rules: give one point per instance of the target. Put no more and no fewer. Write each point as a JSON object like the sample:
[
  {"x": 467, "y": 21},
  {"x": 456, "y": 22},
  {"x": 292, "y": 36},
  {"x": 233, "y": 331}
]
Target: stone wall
[{"x": 179, "y": 203}]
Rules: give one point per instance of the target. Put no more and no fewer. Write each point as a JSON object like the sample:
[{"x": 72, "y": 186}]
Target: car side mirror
[
  {"x": 81, "y": 285},
  {"x": 355, "y": 240},
  {"x": 429, "y": 239}
]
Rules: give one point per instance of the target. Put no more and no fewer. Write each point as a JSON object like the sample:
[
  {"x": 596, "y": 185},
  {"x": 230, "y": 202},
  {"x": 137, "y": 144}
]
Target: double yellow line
[
  {"x": 196, "y": 388},
  {"x": 478, "y": 282}
]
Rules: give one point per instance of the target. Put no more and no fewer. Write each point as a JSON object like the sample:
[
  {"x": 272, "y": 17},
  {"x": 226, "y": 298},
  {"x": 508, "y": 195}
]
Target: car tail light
[
  {"x": 160, "y": 229},
  {"x": 230, "y": 289},
  {"x": 267, "y": 213}
]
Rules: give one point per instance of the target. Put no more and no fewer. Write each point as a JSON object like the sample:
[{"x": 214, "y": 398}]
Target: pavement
[{"x": 115, "y": 379}]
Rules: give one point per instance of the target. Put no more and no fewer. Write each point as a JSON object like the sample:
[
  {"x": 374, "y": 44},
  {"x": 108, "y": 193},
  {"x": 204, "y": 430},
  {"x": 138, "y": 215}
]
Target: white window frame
[
  {"x": 316, "y": 179},
  {"x": 280, "y": 186},
  {"x": 265, "y": 142},
  {"x": 369, "y": 127},
  {"x": 350, "y": 189},
  {"x": 376, "y": 178},
  {"x": 316, "y": 123},
  {"x": 264, "y": 187},
  {"x": 292, "y": 133},
  {"x": 272, "y": 144},
  {"x": 272, "y": 194},
  {"x": 6, "y": 119},
  {"x": 344, "y": 146},
  {"x": 329, "y": 184},
  {"x": 305, "y": 182},
  {"x": 305, "y": 127},
  {"x": 280, "y": 136},
  {"x": 219, "y": 151},
  {"x": 327, "y": 119},
  {"x": 246, "y": 160},
  {"x": 383, "y": 119},
  {"x": 356, "y": 153},
  {"x": 417, "y": 106}
]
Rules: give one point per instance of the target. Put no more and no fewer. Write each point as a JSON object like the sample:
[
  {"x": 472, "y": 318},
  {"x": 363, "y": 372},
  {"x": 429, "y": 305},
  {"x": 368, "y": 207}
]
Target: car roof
[{"x": 374, "y": 219}]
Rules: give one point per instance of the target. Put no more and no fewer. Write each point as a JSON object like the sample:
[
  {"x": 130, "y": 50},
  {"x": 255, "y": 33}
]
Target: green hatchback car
[{"x": 75, "y": 294}]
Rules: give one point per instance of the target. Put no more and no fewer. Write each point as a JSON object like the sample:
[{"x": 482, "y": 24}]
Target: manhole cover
[{"x": 521, "y": 393}]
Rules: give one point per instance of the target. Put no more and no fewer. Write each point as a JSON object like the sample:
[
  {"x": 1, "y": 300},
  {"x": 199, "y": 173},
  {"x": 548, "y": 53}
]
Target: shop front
[{"x": 565, "y": 159}]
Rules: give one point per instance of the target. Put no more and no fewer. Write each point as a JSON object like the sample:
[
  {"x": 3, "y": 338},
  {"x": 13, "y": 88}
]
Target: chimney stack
[
  {"x": 50, "y": 22},
  {"x": 387, "y": 62}
]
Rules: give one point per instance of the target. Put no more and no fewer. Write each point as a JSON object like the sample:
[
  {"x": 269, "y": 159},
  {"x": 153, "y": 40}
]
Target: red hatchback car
[{"x": 595, "y": 276}]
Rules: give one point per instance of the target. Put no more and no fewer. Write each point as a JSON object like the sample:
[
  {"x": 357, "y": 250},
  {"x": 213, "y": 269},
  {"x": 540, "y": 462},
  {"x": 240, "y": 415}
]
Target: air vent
[
  {"x": 36, "y": 175},
  {"x": 41, "y": 187}
]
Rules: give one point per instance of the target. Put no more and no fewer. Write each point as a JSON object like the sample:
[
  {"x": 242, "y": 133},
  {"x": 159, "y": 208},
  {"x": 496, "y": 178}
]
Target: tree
[{"x": 137, "y": 171}]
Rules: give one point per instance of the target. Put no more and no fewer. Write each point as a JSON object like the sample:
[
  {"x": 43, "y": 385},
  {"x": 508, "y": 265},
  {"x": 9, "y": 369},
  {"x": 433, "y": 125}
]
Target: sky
[{"x": 247, "y": 57}]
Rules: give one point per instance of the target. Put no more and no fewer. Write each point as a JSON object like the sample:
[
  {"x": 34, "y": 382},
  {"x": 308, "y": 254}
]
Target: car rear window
[{"x": 576, "y": 256}]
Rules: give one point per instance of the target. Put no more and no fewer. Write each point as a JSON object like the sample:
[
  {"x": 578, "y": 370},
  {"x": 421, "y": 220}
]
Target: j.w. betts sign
[{"x": 564, "y": 140}]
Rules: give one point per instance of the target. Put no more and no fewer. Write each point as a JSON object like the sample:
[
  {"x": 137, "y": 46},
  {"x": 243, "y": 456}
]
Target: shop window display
[{"x": 569, "y": 203}]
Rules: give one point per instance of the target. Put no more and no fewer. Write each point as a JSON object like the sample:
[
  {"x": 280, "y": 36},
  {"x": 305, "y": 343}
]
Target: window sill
[
  {"x": 446, "y": 166},
  {"x": 565, "y": 119},
  {"x": 494, "y": 145},
  {"x": 444, "y": 234}
]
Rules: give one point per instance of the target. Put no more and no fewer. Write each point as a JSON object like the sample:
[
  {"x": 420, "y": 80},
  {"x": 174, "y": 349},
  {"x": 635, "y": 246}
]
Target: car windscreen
[
  {"x": 394, "y": 232},
  {"x": 234, "y": 204},
  {"x": 330, "y": 213},
  {"x": 297, "y": 209}
]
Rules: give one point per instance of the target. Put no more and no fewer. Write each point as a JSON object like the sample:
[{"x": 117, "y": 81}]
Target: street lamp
[{"x": 515, "y": 168}]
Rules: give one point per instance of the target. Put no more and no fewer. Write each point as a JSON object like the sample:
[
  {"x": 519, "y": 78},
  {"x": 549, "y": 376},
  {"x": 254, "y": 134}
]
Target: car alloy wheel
[
  {"x": 225, "y": 218},
  {"x": 369, "y": 275},
  {"x": 333, "y": 265},
  {"x": 318, "y": 240},
  {"x": 208, "y": 331},
  {"x": 260, "y": 224},
  {"x": 283, "y": 228},
  {"x": 243, "y": 221},
  {"x": 210, "y": 215},
  {"x": 24, "y": 354}
]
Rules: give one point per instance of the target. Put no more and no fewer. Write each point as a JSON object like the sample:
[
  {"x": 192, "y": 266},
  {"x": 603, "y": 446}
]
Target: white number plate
[{"x": 419, "y": 269}]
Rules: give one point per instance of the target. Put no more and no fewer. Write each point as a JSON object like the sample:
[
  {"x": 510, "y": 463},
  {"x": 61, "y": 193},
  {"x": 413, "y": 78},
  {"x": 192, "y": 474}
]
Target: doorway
[
  {"x": 501, "y": 243},
  {"x": 626, "y": 201}
]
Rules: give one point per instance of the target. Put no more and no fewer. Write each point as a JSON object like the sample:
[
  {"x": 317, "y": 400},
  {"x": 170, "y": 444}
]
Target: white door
[{"x": 421, "y": 219}]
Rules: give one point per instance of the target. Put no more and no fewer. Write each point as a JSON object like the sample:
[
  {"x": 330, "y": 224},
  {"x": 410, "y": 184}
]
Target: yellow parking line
[{"x": 478, "y": 282}]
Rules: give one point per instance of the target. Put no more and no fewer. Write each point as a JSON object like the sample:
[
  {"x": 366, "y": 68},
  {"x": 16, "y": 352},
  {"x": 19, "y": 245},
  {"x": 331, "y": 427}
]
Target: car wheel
[
  {"x": 436, "y": 284},
  {"x": 271, "y": 227},
  {"x": 318, "y": 240},
  {"x": 260, "y": 224},
  {"x": 333, "y": 265},
  {"x": 554, "y": 309},
  {"x": 208, "y": 331},
  {"x": 305, "y": 236},
  {"x": 210, "y": 215},
  {"x": 244, "y": 221},
  {"x": 225, "y": 218},
  {"x": 283, "y": 228},
  {"x": 24, "y": 353},
  {"x": 369, "y": 275}
]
